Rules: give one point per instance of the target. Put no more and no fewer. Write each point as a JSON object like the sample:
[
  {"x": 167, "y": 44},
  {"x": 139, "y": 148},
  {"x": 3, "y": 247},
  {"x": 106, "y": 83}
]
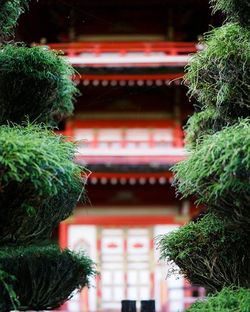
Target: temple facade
[{"x": 128, "y": 123}]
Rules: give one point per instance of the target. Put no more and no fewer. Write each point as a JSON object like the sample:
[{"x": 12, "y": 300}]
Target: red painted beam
[
  {"x": 126, "y": 77},
  {"x": 123, "y": 47},
  {"x": 115, "y": 123},
  {"x": 128, "y": 175},
  {"x": 121, "y": 220}
]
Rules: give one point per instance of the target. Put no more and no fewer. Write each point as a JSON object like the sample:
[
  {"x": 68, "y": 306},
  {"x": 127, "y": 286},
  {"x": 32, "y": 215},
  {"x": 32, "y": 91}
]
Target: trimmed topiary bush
[
  {"x": 228, "y": 300},
  {"x": 45, "y": 276},
  {"x": 10, "y": 10},
  {"x": 218, "y": 171},
  {"x": 219, "y": 76},
  {"x": 236, "y": 10},
  {"x": 211, "y": 252},
  {"x": 35, "y": 83},
  {"x": 40, "y": 184}
]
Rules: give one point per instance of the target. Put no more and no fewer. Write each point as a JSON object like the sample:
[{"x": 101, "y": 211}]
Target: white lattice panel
[
  {"x": 169, "y": 292},
  {"x": 83, "y": 237}
]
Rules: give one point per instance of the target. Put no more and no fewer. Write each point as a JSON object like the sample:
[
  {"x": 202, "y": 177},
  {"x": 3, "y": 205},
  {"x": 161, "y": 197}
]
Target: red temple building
[{"x": 128, "y": 121}]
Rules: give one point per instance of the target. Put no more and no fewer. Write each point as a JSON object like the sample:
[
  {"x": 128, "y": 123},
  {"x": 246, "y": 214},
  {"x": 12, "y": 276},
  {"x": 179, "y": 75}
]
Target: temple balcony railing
[
  {"x": 126, "y": 54},
  {"x": 127, "y": 142}
]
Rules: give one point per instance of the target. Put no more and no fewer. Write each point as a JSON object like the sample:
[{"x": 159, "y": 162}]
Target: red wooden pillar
[
  {"x": 69, "y": 129},
  {"x": 178, "y": 136}
]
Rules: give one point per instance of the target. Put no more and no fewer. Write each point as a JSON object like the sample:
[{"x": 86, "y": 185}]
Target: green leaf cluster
[
  {"x": 228, "y": 300},
  {"x": 35, "y": 83},
  {"x": 218, "y": 170},
  {"x": 201, "y": 124},
  {"x": 212, "y": 252},
  {"x": 45, "y": 276},
  {"x": 219, "y": 75},
  {"x": 10, "y": 10},
  {"x": 236, "y": 10},
  {"x": 40, "y": 184}
]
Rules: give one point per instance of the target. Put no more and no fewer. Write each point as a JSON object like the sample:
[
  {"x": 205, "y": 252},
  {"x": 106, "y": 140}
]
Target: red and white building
[
  {"x": 129, "y": 155},
  {"x": 129, "y": 57}
]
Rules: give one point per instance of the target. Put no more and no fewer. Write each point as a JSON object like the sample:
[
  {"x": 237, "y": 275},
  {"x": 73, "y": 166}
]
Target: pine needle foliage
[
  {"x": 218, "y": 171},
  {"x": 228, "y": 300},
  {"x": 219, "y": 75},
  {"x": 45, "y": 276},
  {"x": 35, "y": 83},
  {"x": 236, "y": 10},
  {"x": 40, "y": 184},
  {"x": 10, "y": 10},
  {"x": 7, "y": 288},
  {"x": 204, "y": 123},
  {"x": 211, "y": 252}
]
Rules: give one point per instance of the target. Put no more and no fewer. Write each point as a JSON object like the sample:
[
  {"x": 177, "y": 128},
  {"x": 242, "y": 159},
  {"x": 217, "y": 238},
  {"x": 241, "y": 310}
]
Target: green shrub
[
  {"x": 40, "y": 183},
  {"x": 228, "y": 300},
  {"x": 219, "y": 75},
  {"x": 236, "y": 10},
  {"x": 211, "y": 252},
  {"x": 35, "y": 83},
  {"x": 45, "y": 276},
  {"x": 218, "y": 171},
  {"x": 204, "y": 123},
  {"x": 10, "y": 10}
]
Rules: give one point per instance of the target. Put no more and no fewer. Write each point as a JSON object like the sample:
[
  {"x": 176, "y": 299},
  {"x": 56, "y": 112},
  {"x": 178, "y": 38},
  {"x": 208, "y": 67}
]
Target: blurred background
[{"x": 129, "y": 58}]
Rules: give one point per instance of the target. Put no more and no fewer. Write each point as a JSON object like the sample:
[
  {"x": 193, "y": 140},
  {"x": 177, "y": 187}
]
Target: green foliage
[
  {"x": 10, "y": 10},
  {"x": 40, "y": 184},
  {"x": 211, "y": 252},
  {"x": 219, "y": 75},
  {"x": 214, "y": 251},
  {"x": 236, "y": 10},
  {"x": 228, "y": 300},
  {"x": 218, "y": 171},
  {"x": 204, "y": 123},
  {"x": 34, "y": 82},
  {"x": 45, "y": 276},
  {"x": 6, "y": 287}
]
